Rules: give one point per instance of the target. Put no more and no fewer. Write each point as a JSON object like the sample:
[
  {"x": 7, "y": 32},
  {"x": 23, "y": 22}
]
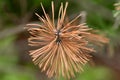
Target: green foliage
[
  {"x": 18, "y": 75},
  {"x": 93, "y": 73},
  {"x": 105, "y": 3},
  {"x": 7, "y": 58},
  {"x": 9, "y": 70}
]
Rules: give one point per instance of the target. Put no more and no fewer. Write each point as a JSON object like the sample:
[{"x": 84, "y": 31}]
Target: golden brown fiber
[{"x": 63, "y": 46}]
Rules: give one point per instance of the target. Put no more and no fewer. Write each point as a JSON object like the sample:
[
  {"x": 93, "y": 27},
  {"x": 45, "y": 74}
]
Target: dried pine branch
[{"x": 62, "y": 45}]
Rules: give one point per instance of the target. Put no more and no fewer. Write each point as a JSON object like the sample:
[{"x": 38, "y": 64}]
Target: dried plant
[{"x": 63, "y": 46}]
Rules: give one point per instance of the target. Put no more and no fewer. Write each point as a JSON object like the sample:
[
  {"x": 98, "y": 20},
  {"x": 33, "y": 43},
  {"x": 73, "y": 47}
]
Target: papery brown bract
[{"x": 62, "y": 46}]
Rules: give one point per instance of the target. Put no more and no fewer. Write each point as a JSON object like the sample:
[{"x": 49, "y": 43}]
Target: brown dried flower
[{"x": 63, "y": 47}]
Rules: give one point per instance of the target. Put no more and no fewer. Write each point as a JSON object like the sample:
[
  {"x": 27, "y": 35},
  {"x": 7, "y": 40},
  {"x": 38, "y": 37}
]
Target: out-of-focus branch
[
  {"x": 11, "y": 31},
  {"x": 83, "y": 17},
  {"x": 109, "y": 62},
  {"x": 23, "y": 5}
]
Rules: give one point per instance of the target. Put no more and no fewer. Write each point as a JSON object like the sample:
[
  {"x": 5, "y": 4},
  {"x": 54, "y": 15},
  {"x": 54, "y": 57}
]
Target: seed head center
[{"x": 58, "y": 36}]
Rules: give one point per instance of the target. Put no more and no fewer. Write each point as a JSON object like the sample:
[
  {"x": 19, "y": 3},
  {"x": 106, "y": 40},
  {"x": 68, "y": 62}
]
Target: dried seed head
[{"x": 63, "y": 47}]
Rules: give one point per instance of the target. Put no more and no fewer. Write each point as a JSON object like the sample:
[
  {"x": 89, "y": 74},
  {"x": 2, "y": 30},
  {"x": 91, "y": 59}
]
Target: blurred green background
[{"x": 15, "y": 63}]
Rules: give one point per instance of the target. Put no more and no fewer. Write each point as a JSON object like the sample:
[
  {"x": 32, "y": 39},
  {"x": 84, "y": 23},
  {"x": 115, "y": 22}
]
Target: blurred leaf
[
  {"x": 18, "y": 75},
  {"x": 95, "y": 73},
  {"x": 116, "y": 13},
  {"x": 7, "y": 52},
  {"x": 92, "y": 73}
]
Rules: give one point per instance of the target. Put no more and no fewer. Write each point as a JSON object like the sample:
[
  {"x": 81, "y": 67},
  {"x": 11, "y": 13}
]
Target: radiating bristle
[{"x": 62, "y": 48}]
